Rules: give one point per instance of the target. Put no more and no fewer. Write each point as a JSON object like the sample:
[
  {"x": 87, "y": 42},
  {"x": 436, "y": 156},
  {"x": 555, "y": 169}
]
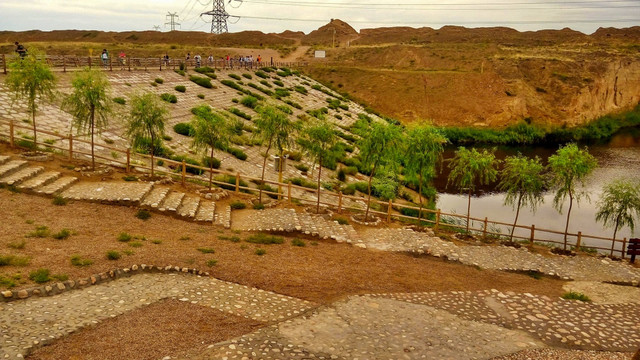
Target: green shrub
[
  {"x": 211, "y": 162},
  {"x": 211, "y": 262},
  {"x": 62, "y": 234},
  {"x": 113, "y": 255},
  {"x": 293, "y": 104},
  {"x": 264, "y": 239},
  {"x": 281, "y": 92},
  {"x": 40, "y": 232},
  {"x": 238, "y": 153},
  {"x": 185, "y": 129},
  {"x": 258, "y": 206},
  {"x": 17, "y": 244},
  {"x": 248, "y": 76},
  {"x": 262, "y": 74},
  {"x": 302, "y": 167},
  {"x": 124, "y": 237},
  {"x": 279, "y": 83},
  {"x": 59, "y": 200},
  {"x": 201, "y": 96},
  {"x": 206, "y": 250},
  {"x": 143, "y": 214},
  {"x": 130, "y": 178},
  {"x": 266, "y": 83},
  {"x": 341, "y": 175},
  {"x": 302, "y": 182},
  {"x": 6, "y": 260},
  {"x": 261, "y": 89},
  {"x": 572, "y": 295},
  {"x": 40, "y": 276},
  {"x": 301, "y": 89},
  {"x": 237, "y": 205},
  {"x": 202, "y": 81},
  {"x": 77, "y": 260},
  {"x": 234, "y": 76},
  {"x": 240, "y": 113},
  {"x": 180, "y": 88},
  {"x": 180, "y": 72},
  {"x": 229, "y": 182},
  {"x": 231, "y": 84},
  {"x": 285, "y": 109},
  {"x": 119, "y": 100},
  {"x": 249, "y": 101},
  {"x": 298, "y": 242},
  {"x": 341, "y": 220},
  {"x": 170, "y": 98},
  {"x": 205, "y": 70},
  {"x": 159, "y": 80},
  {"x": 260, "y": 251},
  {"x": 182, "y": 66},
  {"x": 154, "y": 84}
]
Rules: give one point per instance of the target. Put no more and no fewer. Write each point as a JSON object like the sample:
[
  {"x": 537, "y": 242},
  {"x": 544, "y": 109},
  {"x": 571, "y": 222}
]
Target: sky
[{"x": 307, "y": 15}]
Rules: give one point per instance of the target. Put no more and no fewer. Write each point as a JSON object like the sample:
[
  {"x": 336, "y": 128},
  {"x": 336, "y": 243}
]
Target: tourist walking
[
  {"x": 21, "y": 50},
  {"x": 105, "y": 58}
]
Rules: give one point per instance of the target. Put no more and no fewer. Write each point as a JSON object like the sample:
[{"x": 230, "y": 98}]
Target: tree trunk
[
  {"x": 211, "y": 169},
  {"x": 615, "y": 232},
  {"x": 319, "y": 174},
  {"x": 264, "y": 167},
  {"x": 35, "y": 133},
  {"x": 366, "y": 213},
  {"x": 152, "y": 153},
  {"x": 515, "y": 222},
  {"x": 566, "y": 228},
  {"x": 280, "y": 174},
  {"x": 420, "y": 199},
  {"x": 469, "y": 210},
  {"x": 93, "y": 157}
]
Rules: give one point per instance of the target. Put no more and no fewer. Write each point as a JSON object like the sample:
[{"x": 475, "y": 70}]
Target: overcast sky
[{"x": 307, "y": 15}]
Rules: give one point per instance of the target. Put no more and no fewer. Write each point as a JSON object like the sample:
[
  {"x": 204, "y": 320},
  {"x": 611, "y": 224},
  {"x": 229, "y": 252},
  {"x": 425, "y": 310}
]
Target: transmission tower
[
  {"x": 156, "y": 27},
  {"x": 172, "y": 17},
  {"x": 219, "y": 17}
]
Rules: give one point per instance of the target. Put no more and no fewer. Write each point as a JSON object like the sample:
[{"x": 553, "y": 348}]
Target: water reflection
[{"x": 619, "y": 157}]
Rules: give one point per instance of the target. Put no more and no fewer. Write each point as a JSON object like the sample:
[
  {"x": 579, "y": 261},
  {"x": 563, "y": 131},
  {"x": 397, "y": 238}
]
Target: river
[{"x": 617, "y": 158}]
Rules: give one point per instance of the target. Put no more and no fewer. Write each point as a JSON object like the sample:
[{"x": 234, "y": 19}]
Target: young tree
[
  {"x": 32, "y": 80},
  {"x": 211, "y": 131},
  {"x": 378, "y": 147},
  {"x": 619, "y": 206},
  {"x": 276, "y": 129},
  {"x": 147, "y": 118},
  {"x": 423, "y": 147},
  {"x": 523, "y": 182},
  {"x": 470, "y": 168},
  {"x": 570, "y": 166},
  {"x": 319, "y": 140},
  {"x": 89, "y": 103}
]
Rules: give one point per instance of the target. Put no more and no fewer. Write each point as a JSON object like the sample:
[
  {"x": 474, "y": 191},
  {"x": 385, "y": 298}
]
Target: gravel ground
[{"x": 555, "y": 354}]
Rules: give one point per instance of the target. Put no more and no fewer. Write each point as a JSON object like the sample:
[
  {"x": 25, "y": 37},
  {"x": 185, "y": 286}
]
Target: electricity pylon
[{"x": 219, "y": 17}]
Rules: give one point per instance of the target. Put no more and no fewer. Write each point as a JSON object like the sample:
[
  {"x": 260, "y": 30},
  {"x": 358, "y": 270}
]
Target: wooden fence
[
  {"x": 237, "y": 182},
  {"x": 70, "y": 62}
]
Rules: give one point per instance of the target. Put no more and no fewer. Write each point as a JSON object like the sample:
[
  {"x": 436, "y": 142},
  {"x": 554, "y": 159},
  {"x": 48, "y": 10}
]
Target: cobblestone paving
[
  {"x": 36, "y": 321},
  {"x": 363, "y": 327},
  {"x": 559, "y": 322},
  {"x": 20, "y": 175},
  {"x": 39, "y": 180},
  {"x": 57, "y": 185},
  {"x": 113, "y": 192}
]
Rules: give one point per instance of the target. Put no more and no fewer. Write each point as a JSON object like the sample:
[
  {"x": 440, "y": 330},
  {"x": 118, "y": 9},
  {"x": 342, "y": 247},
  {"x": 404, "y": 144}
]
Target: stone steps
[
  {"x": 128, "y": 193},
  {"x": 172, "y": 202},
  {"x": 4, "y": 159},
  {"x": 39, "y": 180},
  {"x": 155, "y": 197},
  {"x": 57, "y": 186},
  {"x": 223, "y": 217},
  {"x": 11, "y": 166},
  {"x": 206, "y": 211},
  {"x": 189, "y": 206},
  {"x": 21, "y": 175}
]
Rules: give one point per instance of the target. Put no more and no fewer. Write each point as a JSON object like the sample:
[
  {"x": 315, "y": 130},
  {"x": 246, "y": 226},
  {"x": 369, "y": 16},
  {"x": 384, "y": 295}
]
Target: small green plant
[
  {"x": 298, "y": 242},
  {"x": 534, "y": 274},
  {"x": 40, "y": 232},
  {"x": 29, "y": 221},
  {"x": 234, "y": 239},
  {"x": 234, "y": 76},
  {"x": 184, "y": 238},
  {"x": 212, "y": 262},
  {"x": 17, "y": 244},
  {"x": 40, "y": 276},
  {"x": 59, "y": 201},
  {"x": 159, "y": 80},
  {"x": 341, "y": 220},
  {"x": 157, "y": 242},
  {"x": 200, "y": 96},
  {"x": 258, "y": 206},
  {"x": 180, "y": 88},
  {"x": 6, "y": 260},
  {"x": 202, "y": 81},
  {"x": 573, "y": 295},
  {"x": 206, "y": 250},
  {"x": 143, "y": 214},
  {"x": 135, "y": 244},
  {"x": 238, "y": 205},
  {"x": 77, "y": 260},
  {"x": 119, "y": 100},
  {"x": 154, "y": 84},
  {"x": 61, "y": 277},
  {"x": 264, "y": 239},
  {"x": 124, "y": 237},
  {"x": 128, "y": 252},
  {"x": 129, "y": 178},
  {"x": 113, "y": 255},
  {"x": 170, "y": 98},
  {"x": 62, "y": 234},
  {"x": 260, "y": 251},
  {"x": 9, "y": 282}
]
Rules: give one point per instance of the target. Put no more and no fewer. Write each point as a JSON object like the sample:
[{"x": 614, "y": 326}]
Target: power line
[{"x": 372, "y": 4}]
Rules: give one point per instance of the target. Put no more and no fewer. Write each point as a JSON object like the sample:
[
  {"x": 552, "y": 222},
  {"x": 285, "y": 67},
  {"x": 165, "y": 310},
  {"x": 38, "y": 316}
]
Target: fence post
[
  {"x": 533, "y": 232},
  {"x": 484, "y": 231},
  {"x": 89, "y": 62},
  {"x": 4, "y": 64},
  {"x": 437, "y": 220},
  {"x": 11, "y": 136},
  {"x": 160, "y": 64},
  {"x": 289, "y": 191},
  {"x": 111, "y": 63},
  {"x": 624, "y": 246},
  {"x": 184, "y": 171},
  {"x": 128, "y": 159},
  {"x": 129, "y": 63},
  {"x": 64, "y": 64},
  {"x": 579, "y": 241},
  {"x": 339, "y": 201},
  {"x": 145, "y": 63},
  {"x": 237, "y": 182},
  {"x": 70, "y": 146},
  {"x": 389, "y": 207}
]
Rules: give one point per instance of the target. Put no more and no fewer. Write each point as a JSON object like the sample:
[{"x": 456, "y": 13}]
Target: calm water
[{"x": 618, "y": 158}]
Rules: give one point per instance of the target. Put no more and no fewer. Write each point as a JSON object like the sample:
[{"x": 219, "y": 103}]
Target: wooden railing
[
  {"x": 235, "y": 181},
  {"x": 69, "y": 62}
]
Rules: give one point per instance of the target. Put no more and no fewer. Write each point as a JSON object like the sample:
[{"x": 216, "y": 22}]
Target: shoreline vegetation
[{"x": 525, "y": 133}]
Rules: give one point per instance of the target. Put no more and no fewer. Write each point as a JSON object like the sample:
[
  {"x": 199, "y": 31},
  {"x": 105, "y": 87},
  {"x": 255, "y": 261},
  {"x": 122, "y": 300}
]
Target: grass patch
[
  {"x": 129, "y": 178},
  {"x": 180, "y": 88},
  {"x": 211, "y": 262},
  {"x": 202, "y": 81},
  {"x": 157, "y": 242},
  {"x": 40, "y": 276},
  {"x": 119, "y": 100},
  {"x": 40, "y": 232},
  {"x": 200, "y": 96},
  {"x": 206, "y": 250},
  {"x": 260, "y": 251},
  {"x": 185, "y": 129},
  {"x": 17, "y": 244},
  {"x": 234, "y": 239},
  {"x": 341, "y": 220},
  {"x": 184, "y": 238},
  {"x": 77, "y": 260},
  {"x": 124, "y": 237},
  {"x": 298, "y": 242},
  {"x": 264, "y": 239},
  {"x": 62, "y": 234},
  {"x": 13, "y": 260},
  {"x": 113, "y": 255},
  {"x": 258, "y": 206},
  {"x": 159, "y": 81},
  {"x": 170, "y": 98},
  {"x": 143, "y": 214},
  {"x": 238, "y": 205},
  {"x": 128, "y": 252},
  {"x": 135, "y": 244},
  {"x": 573, "y": 295}
]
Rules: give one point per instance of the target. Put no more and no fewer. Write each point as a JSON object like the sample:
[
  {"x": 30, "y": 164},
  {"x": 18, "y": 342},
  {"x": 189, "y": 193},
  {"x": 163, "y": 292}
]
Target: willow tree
[
  {"x": 471, "y": 168},
  {"x": 378, "y": 147},
  {"x": 147, "y": 118},
  {"x": 275, "y": 128},
  {"x": 570, "y": 166},
  {"x": 31, "y": 79},
  {"x": 423, "y": 147},
  {"x": 319, "y": 140},
  {"x": 523, "y": 182},
  {"x": 210, "y": 131},
  {"x": 619, "y": 206},
  {"x": 89, "y": 103}
]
